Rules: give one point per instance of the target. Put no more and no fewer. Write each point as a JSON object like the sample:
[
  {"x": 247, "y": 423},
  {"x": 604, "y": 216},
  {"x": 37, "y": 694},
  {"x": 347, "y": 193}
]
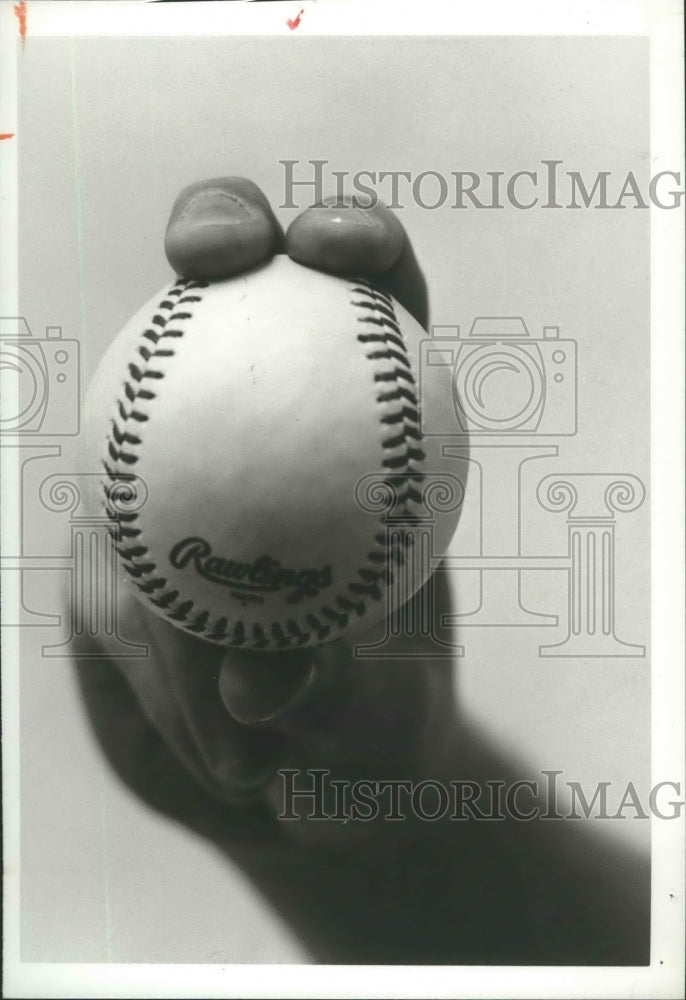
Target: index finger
[
  {"x": 343, "y": 237},
  {"x": 220, "y": 227}
]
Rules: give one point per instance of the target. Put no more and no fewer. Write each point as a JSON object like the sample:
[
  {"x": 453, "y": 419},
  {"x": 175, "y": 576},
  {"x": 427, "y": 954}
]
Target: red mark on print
[
  {"x": 293, "y": 23},
  {"x": 6, "y": 135},
  {"x": 20, "y": 14}
]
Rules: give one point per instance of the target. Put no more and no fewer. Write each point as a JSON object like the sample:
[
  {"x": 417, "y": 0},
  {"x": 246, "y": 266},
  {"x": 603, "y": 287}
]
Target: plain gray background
[{"x": 111, "y": 129}]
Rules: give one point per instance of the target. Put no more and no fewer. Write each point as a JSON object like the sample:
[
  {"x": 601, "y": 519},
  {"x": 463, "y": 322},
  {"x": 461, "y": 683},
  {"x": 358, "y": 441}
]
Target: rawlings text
[{"x": 263, "y": 575}]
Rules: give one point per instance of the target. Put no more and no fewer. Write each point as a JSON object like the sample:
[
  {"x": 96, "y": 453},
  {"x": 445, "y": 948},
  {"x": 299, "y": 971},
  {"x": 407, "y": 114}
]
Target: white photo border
[{"x": 661, "y": 21}]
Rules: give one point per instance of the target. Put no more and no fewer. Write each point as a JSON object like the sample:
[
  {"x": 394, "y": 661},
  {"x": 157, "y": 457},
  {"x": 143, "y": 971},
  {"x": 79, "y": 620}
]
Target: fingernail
[
  {"x": 343, "y": 212},
  {"x": 344, "y": 238},
  {"x": 214, "y": 207},
  {"x": 216, "y": 235}
]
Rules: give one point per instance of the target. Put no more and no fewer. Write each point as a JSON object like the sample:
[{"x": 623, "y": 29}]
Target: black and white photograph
[{"x": 342, "y": 448}]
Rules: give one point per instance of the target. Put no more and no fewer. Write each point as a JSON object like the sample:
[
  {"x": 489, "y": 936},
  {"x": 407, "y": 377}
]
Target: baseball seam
[{"x": 396, "y": 397}]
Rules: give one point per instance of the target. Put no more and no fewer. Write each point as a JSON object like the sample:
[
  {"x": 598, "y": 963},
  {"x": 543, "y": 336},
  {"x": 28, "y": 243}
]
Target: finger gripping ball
[{"x": 253, "y": 417}]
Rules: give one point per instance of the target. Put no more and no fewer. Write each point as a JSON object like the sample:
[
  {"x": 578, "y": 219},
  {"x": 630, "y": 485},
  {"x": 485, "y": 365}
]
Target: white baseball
[{"x": 251, "y": 409}]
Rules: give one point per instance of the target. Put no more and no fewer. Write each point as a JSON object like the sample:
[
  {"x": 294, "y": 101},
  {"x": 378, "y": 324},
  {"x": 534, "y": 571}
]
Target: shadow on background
[{"x": 414, "y": 892}]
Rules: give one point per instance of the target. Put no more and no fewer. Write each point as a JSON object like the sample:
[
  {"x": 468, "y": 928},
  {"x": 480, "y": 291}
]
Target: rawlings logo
[{"x": 264, "y": 575}]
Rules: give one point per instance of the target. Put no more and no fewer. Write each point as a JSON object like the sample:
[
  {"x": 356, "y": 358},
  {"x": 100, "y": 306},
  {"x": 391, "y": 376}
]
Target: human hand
[
  {"x": 200, "y": 731},
  {"x": 233, "y": 718}
]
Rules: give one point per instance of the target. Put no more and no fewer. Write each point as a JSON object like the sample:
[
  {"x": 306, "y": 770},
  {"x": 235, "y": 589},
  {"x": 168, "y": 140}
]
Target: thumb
[
  {"x": 262, "y": 689},
  {"x": 295, "y": 692},
  {"x": 334, "y": 707}
]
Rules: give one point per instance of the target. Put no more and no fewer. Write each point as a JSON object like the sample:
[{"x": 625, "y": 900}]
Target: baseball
[{"x": 247, "y": 412}]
